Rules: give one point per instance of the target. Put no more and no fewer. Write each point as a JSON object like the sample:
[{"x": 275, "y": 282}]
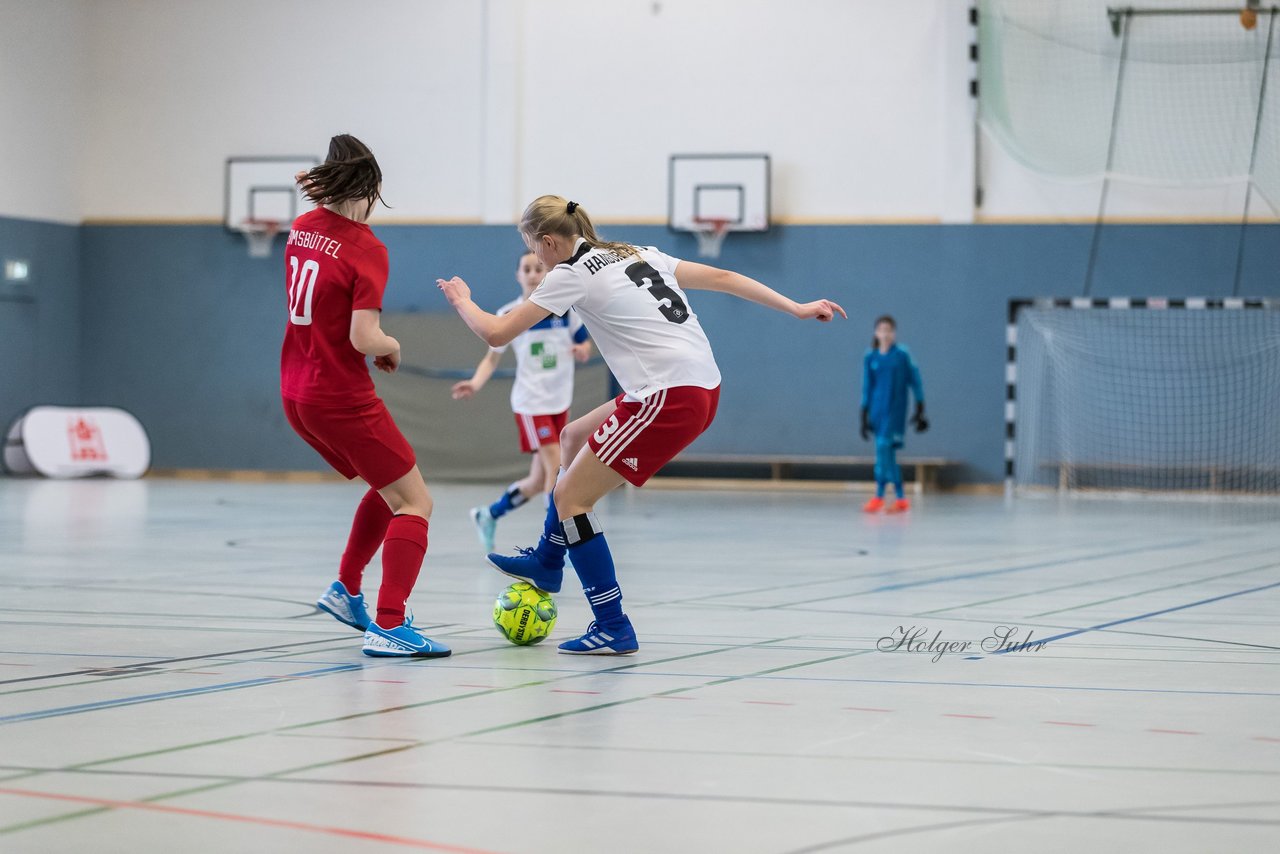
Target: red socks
[
  {"x": 368, "y": 530},
  {"x": 402, "y": 553}
]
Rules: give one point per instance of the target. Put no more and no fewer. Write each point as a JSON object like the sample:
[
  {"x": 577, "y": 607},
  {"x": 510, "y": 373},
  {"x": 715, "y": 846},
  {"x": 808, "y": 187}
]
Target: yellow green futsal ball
[{"x": 524, "y": 614}]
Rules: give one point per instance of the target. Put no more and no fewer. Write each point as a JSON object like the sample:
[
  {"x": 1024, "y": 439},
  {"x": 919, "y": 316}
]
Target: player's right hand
[
  {"x": 464, "y": 390},
  {"x": 455, "y": 290}
]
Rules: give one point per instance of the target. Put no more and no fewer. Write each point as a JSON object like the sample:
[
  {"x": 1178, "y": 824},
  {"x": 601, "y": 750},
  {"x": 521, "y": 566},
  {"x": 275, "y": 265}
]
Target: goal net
[
  {"x": 1159, "y": 396},
  {"x": 1179, "y": 94}
]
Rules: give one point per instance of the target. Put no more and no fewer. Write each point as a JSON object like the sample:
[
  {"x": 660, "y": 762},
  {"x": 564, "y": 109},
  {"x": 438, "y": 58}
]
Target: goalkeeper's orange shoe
[
  {"x": 902, "y": 505},
  {"x": 875, "y": 505}
]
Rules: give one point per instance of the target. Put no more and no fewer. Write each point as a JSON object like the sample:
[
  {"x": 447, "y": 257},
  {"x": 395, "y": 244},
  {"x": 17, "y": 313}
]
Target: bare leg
[{"x": 531, "y": 484}]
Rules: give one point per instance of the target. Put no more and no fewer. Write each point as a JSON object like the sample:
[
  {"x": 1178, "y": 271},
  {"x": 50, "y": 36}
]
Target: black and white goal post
[{"x": 1150, "y": 394}]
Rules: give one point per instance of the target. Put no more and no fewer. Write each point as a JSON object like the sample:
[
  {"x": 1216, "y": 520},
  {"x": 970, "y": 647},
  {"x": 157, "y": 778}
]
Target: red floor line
[
  {"x": 248, "y": 819},
  {"x": 1175, "y": 731},
  {"x": 974, "y": 717},
  {"x": 1265, "y": 738},
  {"x": 865, "y": 709},
  {"x": 1067, "y": 723}
]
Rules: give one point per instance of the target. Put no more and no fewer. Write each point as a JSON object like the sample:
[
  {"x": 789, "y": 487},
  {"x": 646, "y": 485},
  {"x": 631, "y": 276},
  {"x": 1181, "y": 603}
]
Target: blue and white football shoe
[
  {"x": 525, "y": 565},
  {"x": 403, "y": 641},
  {"x": 615, "y": 640},
  {"x": 485, "y": 526},
  {"x": 344, "y": 607}
]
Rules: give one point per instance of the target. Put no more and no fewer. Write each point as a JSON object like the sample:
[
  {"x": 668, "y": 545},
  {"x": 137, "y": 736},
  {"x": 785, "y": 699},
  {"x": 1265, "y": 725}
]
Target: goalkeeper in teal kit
[{"x": 888, "y": 371}]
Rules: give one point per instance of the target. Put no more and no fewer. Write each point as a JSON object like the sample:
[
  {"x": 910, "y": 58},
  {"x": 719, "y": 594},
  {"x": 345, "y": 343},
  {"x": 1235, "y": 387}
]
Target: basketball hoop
[
  {"x": 259, "y": 234},
  {"x": 710, "y": 232}
]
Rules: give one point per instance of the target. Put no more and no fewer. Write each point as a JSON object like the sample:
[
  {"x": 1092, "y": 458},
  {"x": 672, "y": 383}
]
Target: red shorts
[
  {"x": 539, "y": 430},
  {"x": 641, "y": 437},
  {"x": 360, "y": 441}
]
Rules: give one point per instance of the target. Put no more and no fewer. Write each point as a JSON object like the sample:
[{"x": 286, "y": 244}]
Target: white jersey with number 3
[{"x": 639, "y": 317}]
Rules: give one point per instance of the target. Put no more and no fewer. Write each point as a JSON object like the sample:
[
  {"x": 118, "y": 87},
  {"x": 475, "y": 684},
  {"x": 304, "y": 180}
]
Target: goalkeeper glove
[
  {"x": 866, "y": 424},
  {"x": 922, "y": 423}
]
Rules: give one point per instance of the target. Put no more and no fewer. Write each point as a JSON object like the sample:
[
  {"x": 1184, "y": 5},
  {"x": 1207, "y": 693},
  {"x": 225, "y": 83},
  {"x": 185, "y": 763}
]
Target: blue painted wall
[
  {"x": 180, "y": 327},
  {"x": 40, "y": 322}
]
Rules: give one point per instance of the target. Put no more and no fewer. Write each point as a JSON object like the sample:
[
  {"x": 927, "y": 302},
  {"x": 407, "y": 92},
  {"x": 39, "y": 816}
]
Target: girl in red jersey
[
  {"x": 335, "y": 275},
  {"x": 633, "y": 300}
]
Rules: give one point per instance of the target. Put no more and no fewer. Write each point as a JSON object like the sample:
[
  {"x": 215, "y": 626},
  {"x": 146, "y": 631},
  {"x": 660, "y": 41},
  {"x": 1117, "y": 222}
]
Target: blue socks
[
  {"x": 551, "y": 547},
  {"x": 887, "y": 469},
  {"x": 510, "y": 500},
  {"x": 594, "y": 564}
]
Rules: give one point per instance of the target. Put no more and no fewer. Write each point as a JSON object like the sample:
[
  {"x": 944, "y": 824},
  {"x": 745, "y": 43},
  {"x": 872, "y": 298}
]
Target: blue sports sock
[
  {"x": 884, "y": 453},
  {"x": 551, "y": 548},
  {"x": 895, "y": 471},
  {"x": 510, "y": 500},
  {"x": 594, "y": 564}
]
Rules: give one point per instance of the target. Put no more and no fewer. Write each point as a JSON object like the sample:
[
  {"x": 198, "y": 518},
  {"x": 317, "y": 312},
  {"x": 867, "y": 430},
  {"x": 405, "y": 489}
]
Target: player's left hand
[
  {"x": 823, "y": 310},
  {"x": 388, "y": 363},
  {"x": 455, "y": 290},
  {"x": 582, "y": 352},
  {"x": 921, "y": 423}
]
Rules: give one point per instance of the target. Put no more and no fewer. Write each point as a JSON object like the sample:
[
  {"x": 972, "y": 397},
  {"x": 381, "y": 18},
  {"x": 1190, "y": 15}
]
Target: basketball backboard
[
  {"x": 262, "y": 188},
  {"x": 729, "y": 187}
]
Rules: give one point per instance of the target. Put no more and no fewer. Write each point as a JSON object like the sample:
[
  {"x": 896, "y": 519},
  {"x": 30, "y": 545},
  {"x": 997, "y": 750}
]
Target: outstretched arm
[
  {"x": 704, "y": 278},
  {"x": 469, "y": 388},
  {"x": 491, "y": 329}
]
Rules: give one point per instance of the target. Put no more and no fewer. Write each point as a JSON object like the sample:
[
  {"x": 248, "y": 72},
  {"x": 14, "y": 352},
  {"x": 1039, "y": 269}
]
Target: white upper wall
[
  {"x": 476, "y": 106},
  {"x": 42, "y": 96},
  {"x": 128, "y": 109},
  {"x": 840, "y": 93},
  {"x": 180, "y": 85}
]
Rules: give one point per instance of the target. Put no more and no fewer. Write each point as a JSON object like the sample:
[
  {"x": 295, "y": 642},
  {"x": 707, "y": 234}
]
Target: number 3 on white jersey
[
  {"x": 302, "y": 287},
  {"x": 606, "y": 430}
]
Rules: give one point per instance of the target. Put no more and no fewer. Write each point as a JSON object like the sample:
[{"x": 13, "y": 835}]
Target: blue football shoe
[
  {"x": 527, "y": 566},
  {"x": 615, "y": 640},
  {"x": 344, "y": 607},
  {"x": 485, "y": 526},
  {"x": 404, "y": 641}
]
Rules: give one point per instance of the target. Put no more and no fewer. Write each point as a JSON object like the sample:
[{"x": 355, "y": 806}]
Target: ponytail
[
  {"x": 559, "y": 216},
  {"x": 350, "y": 172}
]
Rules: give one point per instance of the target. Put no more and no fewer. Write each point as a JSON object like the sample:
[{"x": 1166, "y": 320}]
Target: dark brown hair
[
  {"x": 350, "y": 172},
  {"x": 884, "y": 318}
]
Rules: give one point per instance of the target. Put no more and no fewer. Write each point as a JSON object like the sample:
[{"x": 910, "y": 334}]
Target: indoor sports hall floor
[{"x": 166, "y": 682}]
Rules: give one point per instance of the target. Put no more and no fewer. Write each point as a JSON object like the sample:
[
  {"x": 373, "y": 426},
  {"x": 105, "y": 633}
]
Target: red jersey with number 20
[{"x": 332, "y": 266}]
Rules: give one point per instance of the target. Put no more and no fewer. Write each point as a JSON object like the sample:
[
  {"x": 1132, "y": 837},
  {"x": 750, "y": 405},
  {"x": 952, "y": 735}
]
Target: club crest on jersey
[{"x": 539, "y": 351}]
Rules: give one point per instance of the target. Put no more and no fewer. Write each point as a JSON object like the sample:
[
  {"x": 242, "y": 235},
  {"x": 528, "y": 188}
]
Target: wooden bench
[
  {"x": 1190, "y": 477},
  {"x": 783, "y": 466}
]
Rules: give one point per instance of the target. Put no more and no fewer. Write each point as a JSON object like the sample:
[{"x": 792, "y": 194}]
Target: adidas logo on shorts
[{"x": 632, "y": 463}]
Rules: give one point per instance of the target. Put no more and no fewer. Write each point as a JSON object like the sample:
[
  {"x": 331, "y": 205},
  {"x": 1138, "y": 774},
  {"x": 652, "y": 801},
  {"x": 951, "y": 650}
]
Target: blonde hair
[{"x": 559, "y": 216}]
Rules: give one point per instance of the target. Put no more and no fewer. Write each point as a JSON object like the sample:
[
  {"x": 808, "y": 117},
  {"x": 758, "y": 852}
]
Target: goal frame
[{"x": 1017, "y": 304}]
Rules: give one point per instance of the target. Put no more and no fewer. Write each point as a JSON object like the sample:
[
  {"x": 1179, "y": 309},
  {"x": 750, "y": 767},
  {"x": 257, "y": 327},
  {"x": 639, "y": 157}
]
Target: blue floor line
[
  {"x": 1023, "y": 646},
  {"x": 989, "y": 572},
  {"x": 166, "y": 695}
]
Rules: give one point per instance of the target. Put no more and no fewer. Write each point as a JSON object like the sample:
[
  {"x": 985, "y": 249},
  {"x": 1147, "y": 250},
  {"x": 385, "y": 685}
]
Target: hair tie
[{"x": 571, "y": 207}]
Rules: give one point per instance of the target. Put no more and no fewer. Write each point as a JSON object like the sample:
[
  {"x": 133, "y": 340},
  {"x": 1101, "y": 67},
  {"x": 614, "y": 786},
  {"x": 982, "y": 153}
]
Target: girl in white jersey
[
  {"x": 633, "y": 299},
  {"x": 540, "y": 396}
]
